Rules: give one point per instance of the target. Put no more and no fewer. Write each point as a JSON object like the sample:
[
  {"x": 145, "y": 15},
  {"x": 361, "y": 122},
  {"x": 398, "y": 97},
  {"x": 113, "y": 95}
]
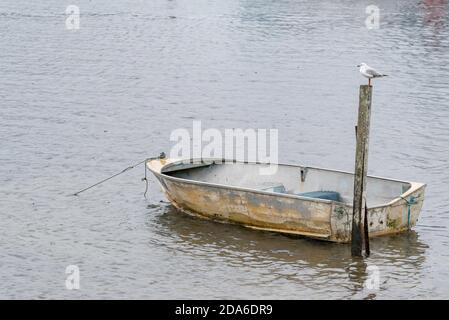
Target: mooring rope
[
  {"x": 412, "y": 200},
  {"x": 366, "y": 230},
  {"x": 161, "y": 156},
  {"x": 146, "y": 182}
]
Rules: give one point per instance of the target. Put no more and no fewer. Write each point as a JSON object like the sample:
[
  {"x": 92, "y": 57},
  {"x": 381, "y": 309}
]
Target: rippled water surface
[{"x": 78, "y": 106}]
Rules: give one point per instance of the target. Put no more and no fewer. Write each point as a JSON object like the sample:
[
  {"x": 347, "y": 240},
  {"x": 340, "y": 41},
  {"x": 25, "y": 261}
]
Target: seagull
[{"x": 369, "y": 72}]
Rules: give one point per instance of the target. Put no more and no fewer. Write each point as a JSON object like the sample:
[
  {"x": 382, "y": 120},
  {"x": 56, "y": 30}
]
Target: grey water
[{"x": 77, "y": 106}]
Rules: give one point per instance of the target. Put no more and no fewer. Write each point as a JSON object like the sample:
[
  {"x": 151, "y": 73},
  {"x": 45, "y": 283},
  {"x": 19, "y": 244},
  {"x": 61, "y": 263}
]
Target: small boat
[{"x": 300, "y": 200}]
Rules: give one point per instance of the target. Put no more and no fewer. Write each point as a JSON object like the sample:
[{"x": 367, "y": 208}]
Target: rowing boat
[{"x": 300, "y": 200}]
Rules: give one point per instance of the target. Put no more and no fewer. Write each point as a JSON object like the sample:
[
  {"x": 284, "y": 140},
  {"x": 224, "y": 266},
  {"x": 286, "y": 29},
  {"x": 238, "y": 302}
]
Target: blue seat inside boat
[{"x": 327, "y": 195}]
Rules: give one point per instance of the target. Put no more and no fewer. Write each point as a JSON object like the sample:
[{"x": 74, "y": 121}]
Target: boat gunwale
[{"x": 414, "y": 186}]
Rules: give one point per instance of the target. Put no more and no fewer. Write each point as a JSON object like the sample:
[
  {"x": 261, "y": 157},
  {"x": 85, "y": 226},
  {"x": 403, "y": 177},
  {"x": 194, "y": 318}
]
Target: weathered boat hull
[{"x": 286, "y": 213}]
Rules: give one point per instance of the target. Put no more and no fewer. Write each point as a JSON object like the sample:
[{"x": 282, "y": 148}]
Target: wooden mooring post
[{"x": 359, "y": 225}]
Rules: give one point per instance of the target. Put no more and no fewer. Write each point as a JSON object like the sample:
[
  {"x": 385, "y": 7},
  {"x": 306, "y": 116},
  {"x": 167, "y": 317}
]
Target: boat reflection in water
[{"x": 274, "y": 259}]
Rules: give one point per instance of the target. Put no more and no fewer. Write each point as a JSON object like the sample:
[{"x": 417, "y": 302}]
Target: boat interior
[{"x": 288, "y": 179}]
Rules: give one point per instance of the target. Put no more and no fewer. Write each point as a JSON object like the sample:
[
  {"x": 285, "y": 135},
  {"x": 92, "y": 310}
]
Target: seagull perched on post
[{"x": 369, "y": 72}]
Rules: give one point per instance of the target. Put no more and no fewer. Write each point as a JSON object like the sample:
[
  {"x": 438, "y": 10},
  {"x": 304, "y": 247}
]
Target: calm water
[{"x": 78, "y": 106}]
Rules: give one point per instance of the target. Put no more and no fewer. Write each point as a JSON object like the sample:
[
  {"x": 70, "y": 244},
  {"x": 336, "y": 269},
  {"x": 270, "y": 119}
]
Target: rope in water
[
  {"x": 146, "y": 180},
  {"x": 161, "y": 156}
]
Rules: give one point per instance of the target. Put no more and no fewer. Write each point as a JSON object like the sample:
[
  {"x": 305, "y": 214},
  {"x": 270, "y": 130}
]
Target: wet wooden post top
[{"x": 361, "y": 168}]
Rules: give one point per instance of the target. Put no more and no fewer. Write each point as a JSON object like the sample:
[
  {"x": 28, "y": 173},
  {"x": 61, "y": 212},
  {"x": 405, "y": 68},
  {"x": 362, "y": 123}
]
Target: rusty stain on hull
[{"x": 198, "y": 189}]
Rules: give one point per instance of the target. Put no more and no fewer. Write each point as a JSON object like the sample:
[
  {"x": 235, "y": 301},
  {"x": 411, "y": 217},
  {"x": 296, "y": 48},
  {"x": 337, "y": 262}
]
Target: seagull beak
[{"x": 358, "y": 66}]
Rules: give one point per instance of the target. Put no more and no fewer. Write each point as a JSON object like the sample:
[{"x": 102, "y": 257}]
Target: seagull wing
[{"x": 373, "y": 72}]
